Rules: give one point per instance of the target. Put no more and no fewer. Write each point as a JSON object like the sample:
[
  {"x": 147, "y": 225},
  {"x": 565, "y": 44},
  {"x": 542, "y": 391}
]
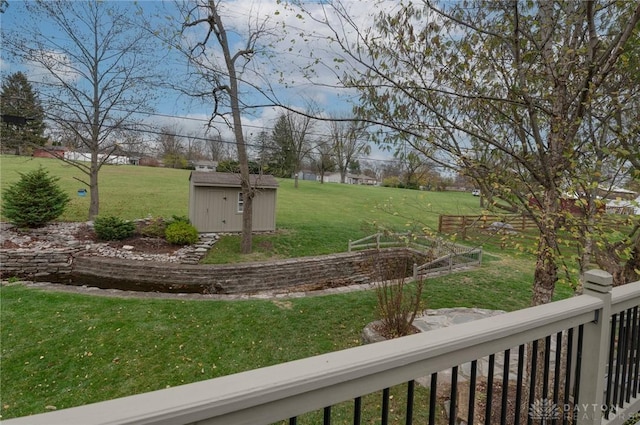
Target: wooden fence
[{"x": 461, "y": 223}]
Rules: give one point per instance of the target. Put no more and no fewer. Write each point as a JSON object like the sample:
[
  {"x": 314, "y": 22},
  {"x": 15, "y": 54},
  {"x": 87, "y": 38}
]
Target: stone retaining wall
[
  {"x": 30, "y": 263},
  {"x": 306, "y": 273}
]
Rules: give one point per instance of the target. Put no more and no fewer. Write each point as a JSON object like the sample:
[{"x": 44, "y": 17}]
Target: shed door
[{"x": 212, "y": 207}]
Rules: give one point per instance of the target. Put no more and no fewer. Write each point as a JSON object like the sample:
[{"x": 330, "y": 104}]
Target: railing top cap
[{"x": 598, "y": 277}]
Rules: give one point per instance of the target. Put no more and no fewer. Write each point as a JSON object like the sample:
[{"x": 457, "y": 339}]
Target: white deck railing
[{"x": 287, "y": 390}]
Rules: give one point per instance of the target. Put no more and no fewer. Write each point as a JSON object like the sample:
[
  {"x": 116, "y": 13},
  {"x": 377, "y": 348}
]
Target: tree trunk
[
  {"x": 247, "y": 219},
  {"x": 546, "y": 268},
  {"x": 243, "y": 160},
  {"x": 94, "y": 194}
]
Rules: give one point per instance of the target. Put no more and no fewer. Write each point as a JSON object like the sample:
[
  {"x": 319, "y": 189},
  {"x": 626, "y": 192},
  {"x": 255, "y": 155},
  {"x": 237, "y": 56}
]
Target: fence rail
[
  {"x": 600, "y": 368},
  {"x": 461, "y": 223},
  {"x": 442, "y": 255}
]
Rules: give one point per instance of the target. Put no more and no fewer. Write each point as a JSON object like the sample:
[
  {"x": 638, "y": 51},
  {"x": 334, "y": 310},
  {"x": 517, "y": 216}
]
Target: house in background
[
  {"x": 624, "y": 206},
  {"x": 613, "y": 192},
  {"x": 216, "y": 204},
  {"x": 49, "y": 152},
  {"x": 361, "y": 179},
  {"x": 205, "y": 165},
  {"x": 330, "y": 178},
  {"x": 349, "y": 179}
]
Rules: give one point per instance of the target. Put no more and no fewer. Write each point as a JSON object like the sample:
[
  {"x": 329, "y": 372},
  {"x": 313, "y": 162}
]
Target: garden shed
[{"x": 216, "y": 204}]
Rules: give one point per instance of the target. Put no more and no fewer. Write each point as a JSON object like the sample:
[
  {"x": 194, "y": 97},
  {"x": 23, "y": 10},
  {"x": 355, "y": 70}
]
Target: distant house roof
[
  {"x": 205, "y": 163},
  {"x": 203, "y": 178}
]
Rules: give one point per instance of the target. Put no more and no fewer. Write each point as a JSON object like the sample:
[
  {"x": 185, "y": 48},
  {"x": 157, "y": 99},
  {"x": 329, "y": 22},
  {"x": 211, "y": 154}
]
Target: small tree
[
  {"x": 34, "y": 200},
  {"x": 23, "y": 116}
]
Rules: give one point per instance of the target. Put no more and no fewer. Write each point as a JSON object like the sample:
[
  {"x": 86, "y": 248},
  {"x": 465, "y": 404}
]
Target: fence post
[
  {"x": 595, "y": 341},
  {"x": 349, "y": 246},
  {"x": 377, "y": 240},
  {"x": 415, "y": 271}
]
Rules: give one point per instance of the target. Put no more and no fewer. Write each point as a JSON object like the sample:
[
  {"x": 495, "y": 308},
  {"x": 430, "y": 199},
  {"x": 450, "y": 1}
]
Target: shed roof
[{"x": 203, "y": 178}]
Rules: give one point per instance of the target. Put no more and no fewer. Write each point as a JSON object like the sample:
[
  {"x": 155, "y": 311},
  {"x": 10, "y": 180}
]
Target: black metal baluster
[
  {"x": 576, "y": 388},
  {"x": 293, "y": 421},
  {"x": 505, "y": 387},
  {"x": 619, "y": 351},
  {"x": 385, "y": 407},
  {"x": 611, "y": 364},
  {"x": 519, "y": 383},
  {"x": 472, "y": 391},
  {"x": 487, "y": 413},
  {"x": 410, "y": 393},
  {"x": 545, "y": 368},
  {"x": 635, "y": 362},
  {"x": 357, "y": 411},
  {"x": 532, "y": 378},
  {"x": 626, "y": 367},
  {"x": 567, "y": 378},
  {"x": 327, "y": 416},
  {"x": 433, "y": 393},
  {"x": 453, "y": 396},
  {"x": 556, "y": 374}
]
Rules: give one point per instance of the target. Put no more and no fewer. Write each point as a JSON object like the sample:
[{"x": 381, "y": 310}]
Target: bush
[
  {"x": 34, "y": 200},
  {"x": 155, "y": 228},
  {"x": 181, "y": 233},
  {"x": 178, "y": 218},
  {"x": 113, "y": 228},
  {"x": 398, "y": 301}
]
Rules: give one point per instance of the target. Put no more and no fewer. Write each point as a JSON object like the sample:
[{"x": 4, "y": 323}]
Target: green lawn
[
  {"x": 65, "y": 350},
  {"x": 61, "y": 350},
  {"x": 310, "y": 220}
]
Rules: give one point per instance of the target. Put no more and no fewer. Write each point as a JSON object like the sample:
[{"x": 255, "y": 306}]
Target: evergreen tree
[
  {"x": 282, "y": 155},
  {"x": 22, "y": 115},
  {"x": 34, "y": 200}
]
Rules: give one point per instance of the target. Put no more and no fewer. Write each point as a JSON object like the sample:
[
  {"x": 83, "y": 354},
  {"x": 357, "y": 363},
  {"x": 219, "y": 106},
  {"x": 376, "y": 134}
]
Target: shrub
[
  {"x": 398, "y": 302},
  {"x": 178, "y": 218},
  {"x": 35, "y": 200},
  {"x": 113, "y": 228},
  {"x": 181, "y": 233},
  {"x": 155, "y": 228}
]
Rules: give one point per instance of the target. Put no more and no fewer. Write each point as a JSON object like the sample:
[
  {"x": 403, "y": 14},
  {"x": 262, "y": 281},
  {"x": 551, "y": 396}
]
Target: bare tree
[
  {"x": 171, "y": 147},
  {"x": 96, "y": 73},
  {"x": 299, "y": 128},
  {"x": 323, "y": 160},
  {"x": 216, "y": 148},
  {"x": 224, "y": 84},
  {"x": 349, "y": 139}
]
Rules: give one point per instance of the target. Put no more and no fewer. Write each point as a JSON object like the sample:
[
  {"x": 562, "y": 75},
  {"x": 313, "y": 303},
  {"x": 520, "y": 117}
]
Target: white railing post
[
  {"x": 598, "y": 284},
  {"x": 349, "y": 246}
]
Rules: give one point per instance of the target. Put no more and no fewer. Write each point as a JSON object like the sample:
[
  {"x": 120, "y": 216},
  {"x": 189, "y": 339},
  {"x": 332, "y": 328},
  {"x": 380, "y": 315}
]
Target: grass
[
  {"x": 60, "y": 350},
  {"x": 126, "y": 191},
  {"x": 314, "y": 219},
  {"x": 65, "y": 350}
]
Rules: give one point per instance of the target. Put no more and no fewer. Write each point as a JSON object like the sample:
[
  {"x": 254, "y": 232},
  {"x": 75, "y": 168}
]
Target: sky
[{"x": 293, "y": 42}]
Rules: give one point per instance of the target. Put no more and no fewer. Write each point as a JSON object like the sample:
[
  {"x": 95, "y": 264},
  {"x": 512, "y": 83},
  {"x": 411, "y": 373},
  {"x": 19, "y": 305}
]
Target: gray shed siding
[{"x": 213, "y": 205}]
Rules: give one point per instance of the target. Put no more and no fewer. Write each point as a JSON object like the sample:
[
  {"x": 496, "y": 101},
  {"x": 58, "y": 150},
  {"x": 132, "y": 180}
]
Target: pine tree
[
  {"x": 34, "y": 200},
  {"x": 23, "y": 116}
]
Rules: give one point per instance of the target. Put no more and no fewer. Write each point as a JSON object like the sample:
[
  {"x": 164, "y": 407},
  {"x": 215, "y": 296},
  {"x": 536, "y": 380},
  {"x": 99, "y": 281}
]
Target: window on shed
[{"x": 240, "y": 202}]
